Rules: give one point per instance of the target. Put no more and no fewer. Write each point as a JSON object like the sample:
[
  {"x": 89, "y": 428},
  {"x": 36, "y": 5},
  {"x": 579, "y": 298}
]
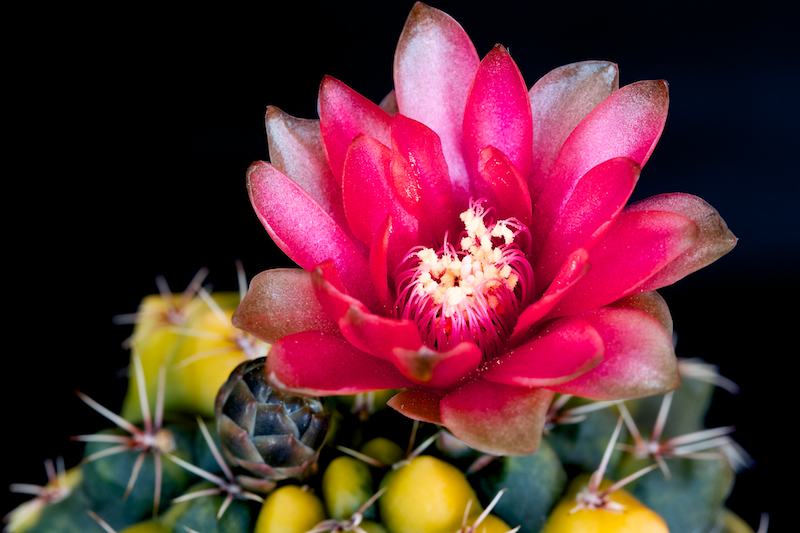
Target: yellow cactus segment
[
  {"x": 289, "y": 509},
  {"x": 634, "y": 518},
  {"x": 150, "y": 526},
  {"x": 155, "y": 340},
  {"x": 26, "y": 516},
  {"x": 198, "y": 354},
  {"x": 346, "y": 486},
  {"x": 202, "y": 378},
  {"x": 492, "y": 524},
  {"x": 384, "y": 450},
  {"x": 427, "y": 495}
]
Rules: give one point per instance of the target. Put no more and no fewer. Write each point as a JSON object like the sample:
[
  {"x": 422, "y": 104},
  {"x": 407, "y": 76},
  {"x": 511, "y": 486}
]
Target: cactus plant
[{"x": 502, "y": 346}]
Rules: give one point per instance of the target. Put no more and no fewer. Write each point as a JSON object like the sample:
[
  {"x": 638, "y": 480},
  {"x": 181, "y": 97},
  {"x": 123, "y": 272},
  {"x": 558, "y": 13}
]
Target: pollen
[{"x": 473, "y": 293}]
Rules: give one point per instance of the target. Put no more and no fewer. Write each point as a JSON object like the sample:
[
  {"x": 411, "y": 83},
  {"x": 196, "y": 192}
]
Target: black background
[{"x": 133, "y": 127}]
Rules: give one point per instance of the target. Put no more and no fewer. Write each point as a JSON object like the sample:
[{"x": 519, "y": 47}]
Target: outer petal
[
  {"x": 395, "y": 340},
  {"x": 421, "y": 179},
  {"x": 564, "y": 350},
  {"x": 434, "y": 65},
  {"x": 594, "y": 204},
  {"x": 370, "y": 333},
  {"x": 304, "y": 231},
  {"x": 639, "y": 358},
  {"x": 626, "y": 124},
  {"x": 499, "y": 181},
  {"x": 440, "y": 370},
  {"x": 331, "y": 293},
  {"x": 495, "y": 418},
  {"x": 379, "y": 336},
  {"x": 571, "y": 271},
  {"x": 637, "y": 247},
  {"x": 295, "y": 148},
  {"x": 377, "y": 264},
  {"x": 498, "y": 113},
  {"x": 344, "y": 114},
  {"x": 651, "y": 303},
  {"x": 321, "y": 364},
  {"x": 714, "y": 239},
  {"x": 417, "y": 405},
  {"x": 369, "y": 198},
  {"x": 281, "y": 302},
  {"x": 559, "y": 101}
]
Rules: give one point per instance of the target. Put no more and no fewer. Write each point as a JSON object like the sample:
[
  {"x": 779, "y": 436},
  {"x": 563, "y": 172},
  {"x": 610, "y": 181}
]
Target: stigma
[{"x": 471, "y": 293}]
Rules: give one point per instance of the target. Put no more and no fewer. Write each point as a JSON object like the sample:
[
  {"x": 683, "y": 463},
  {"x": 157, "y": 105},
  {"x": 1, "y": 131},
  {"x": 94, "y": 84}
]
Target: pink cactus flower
[{"x": 468, "y": 242}]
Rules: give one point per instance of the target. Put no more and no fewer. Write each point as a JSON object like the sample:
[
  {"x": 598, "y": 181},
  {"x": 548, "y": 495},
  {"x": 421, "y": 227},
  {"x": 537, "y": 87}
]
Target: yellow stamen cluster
[{"x": 450, "y": 280}]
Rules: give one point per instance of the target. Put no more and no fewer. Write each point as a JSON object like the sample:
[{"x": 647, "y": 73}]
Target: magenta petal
[
  {"x": 304, "y": 231},
  {"x": 626, "y": 124},
  {"x": 366, "y": 186},
  {"x": 714, "y": 239},
  {"x": 434, "y": 64},
  {"x": 571, "y": 271},
  {"x": 498, "y": 113},
  {"x": 322, "y": 364},
  {"x": 637, "y": 246},
  {"x": 369, "y": 198},
  {"x": 499, "y": 181},
  {"x": 594, "y": 204},
  {"x": 564, "y": 350},
  {"x": 559, "y": 101},
  {"x": 651, "y": 303},
  {"x": 370, "y": 333},
  {"x": 295, "y": 148},
  {"x": 440, "y": 370},
  {"x": 344, "y": 114},
  {"x": 331, "y": 293},
  {"x": 377, "y": 264},
  {"x": 417, "y": 405},
  {"x": 639, "y": 358},
  {"x": 495, "y": 418},
  {"x": 281, "y": 302},
  {"x": 378, "y": 335},
  {"x": 421, "y": 179}
]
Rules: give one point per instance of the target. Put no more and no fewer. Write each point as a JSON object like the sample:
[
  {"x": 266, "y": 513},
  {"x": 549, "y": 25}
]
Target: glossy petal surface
[
  {"x": 639, "y": 358},
  {"x": 295, "y": 148},
  {"x": 440, "y": 370},
  {"x": 422, "y": 179},
  {"x": 637, "y": 247},
  {"x": 626, "y": 124},
  {"x": 559, "y": 102},
  {"x": 367, "y": 181},
  {"x": 345, "y": 114},
  {"x": 434, "y": 65},
  {"x": 498, "y": 113},
  {"x": 496, "y": 418},
  {"x": 320, "y": 364},
  {"x": 303, "y": 230},
  {"x": 579, "y": 348},
  {"x": 588, "y": 214},
  {"x": 714, "y": 239},
  {"x": 281, "y": 302}
]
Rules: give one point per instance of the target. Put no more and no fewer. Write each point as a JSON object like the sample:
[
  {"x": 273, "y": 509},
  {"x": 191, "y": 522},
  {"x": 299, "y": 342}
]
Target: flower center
[{"x": 472, "y": 294}]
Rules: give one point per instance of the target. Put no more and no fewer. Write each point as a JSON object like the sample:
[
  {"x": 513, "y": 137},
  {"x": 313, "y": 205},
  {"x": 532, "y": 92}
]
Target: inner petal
[{"x": 472, "y": 293}]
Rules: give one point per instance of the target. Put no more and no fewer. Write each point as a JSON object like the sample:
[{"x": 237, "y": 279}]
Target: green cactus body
[{"x": 533, "y": 484}]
